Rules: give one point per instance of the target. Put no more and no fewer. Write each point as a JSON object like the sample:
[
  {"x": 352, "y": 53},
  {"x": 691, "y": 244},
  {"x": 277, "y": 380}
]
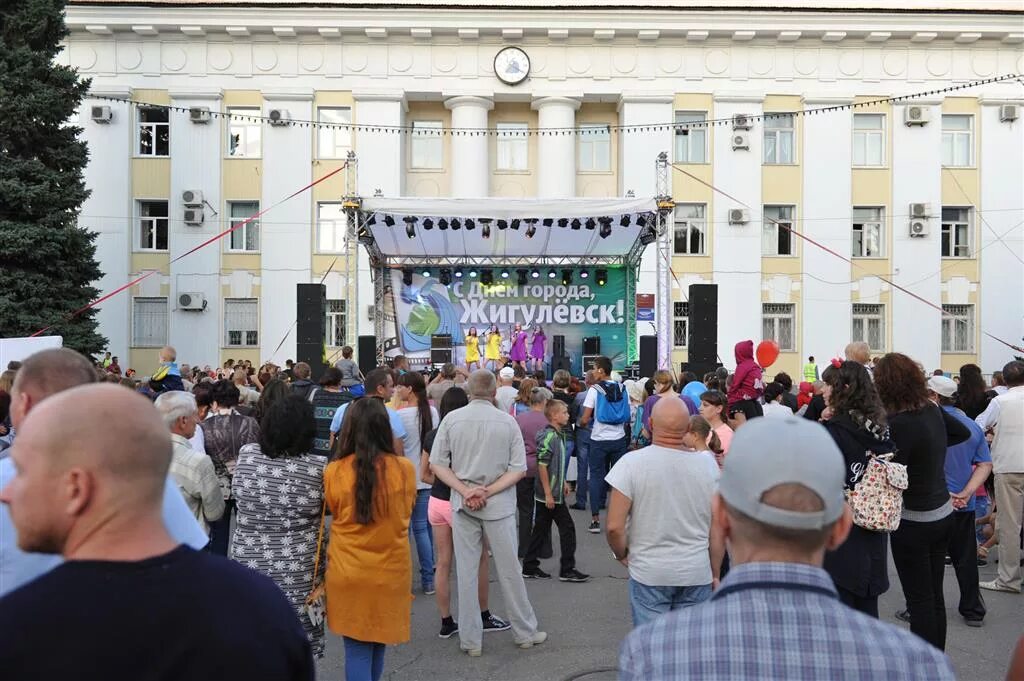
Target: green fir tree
[{"x": 47, "y": 262}]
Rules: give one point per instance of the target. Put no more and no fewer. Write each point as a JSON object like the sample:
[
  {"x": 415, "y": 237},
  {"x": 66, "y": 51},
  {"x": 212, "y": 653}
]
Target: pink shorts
[{"x": 439, "y": 512}]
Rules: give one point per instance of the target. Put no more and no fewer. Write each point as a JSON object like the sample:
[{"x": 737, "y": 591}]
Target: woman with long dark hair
[
  {"x": 275, "y": 390},
  {"x": 921, "y": 432},
  {"x": 972, "y": 394},
  {"x": 419, "y": 418},
  {"x": 859, "y": 427},
  {"x": 369, "y": 491}
]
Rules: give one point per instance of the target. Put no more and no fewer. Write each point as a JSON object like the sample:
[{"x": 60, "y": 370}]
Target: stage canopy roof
[{"x": 415, "y": 234}]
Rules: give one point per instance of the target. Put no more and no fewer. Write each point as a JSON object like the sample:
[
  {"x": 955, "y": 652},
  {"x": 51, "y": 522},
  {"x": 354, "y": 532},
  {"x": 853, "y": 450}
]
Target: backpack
[
  {"x": 612, "y": 404},
  {"x": 877, "y": 498}
]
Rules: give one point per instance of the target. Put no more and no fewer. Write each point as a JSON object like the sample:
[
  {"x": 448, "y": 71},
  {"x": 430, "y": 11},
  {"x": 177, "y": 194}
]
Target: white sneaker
[
  {"x": 994, "y": 585},
  {"x": 473, "y": 652},
  {"x": 535, "y": 640}
]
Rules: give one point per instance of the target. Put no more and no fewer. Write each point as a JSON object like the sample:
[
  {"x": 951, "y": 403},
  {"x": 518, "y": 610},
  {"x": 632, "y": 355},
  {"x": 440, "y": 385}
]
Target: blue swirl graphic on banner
[{"x": 431, "y": 313}]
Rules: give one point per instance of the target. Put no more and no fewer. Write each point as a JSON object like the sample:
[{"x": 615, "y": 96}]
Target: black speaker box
[
  {"x": 592, "y": 345},
  {"x": 366, "y": 354},
  {"x": 702, "y": 339},
  {"x": 559, "y": 362},
  {"x": 313, "y": 355},
  {"x": 440, "y": 341},
  {"x": 558, "y": 345},
  {"x": 311, "y": 313},
  {"x": 440, "y": 356},
  {"x": 648, "y": 355}
]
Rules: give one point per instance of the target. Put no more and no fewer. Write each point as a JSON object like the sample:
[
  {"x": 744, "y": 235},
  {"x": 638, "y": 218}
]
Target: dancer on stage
[
  {"x": 472, "y": 350},
  {"x": 537, "y": 343},
  {"x": 518, "y": 352},
  {"x": 492, "y": 353}
]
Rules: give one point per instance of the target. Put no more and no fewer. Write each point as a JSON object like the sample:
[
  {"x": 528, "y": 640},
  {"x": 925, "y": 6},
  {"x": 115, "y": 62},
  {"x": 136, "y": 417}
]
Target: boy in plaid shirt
[{"x": 549, "y": 499}]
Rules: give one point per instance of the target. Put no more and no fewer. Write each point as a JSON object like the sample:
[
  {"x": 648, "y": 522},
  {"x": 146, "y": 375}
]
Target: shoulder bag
[
  {"x": 877, "y": 498},
  {"x": 316, "y": 601}
]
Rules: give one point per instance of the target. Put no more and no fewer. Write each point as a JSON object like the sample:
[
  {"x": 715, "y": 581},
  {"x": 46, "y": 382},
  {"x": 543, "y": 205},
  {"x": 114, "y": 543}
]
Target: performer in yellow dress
[
  {"x": 493, "y": 350},
  {"x": 472, "y": 349}
]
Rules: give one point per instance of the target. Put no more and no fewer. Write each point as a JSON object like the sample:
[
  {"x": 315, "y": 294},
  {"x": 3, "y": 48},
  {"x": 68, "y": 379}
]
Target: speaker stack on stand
[
  {"x": 311, "y": 326},
  {"x": 559, "y": 360},
  {"x": 591, "y": 350},
  {"x": 440, "y": 349},
  {"x": 702, "y": 338}
]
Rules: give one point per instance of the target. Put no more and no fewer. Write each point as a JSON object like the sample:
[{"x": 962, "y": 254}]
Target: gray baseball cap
[{"x": 766, "y": 452}]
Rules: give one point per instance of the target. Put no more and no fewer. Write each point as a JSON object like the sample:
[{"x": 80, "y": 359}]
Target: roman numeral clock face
[{"x": 511, "y": 65}]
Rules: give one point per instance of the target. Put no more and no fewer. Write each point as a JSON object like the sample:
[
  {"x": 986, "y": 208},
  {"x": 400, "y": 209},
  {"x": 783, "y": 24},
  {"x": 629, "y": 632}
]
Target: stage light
[
  {"x": 548, "y": 222},
  {"x": 426, "y": 273},
  {"x": 552, "y": 274},
  {"x": 504, "y": 273},
  {"x": 407, "y": 277},
  {"x": 566, "y": 277},
  {"x": 531, "y": 230},
  {"x": 641, "y": 220},
  {"x": 372, "y": 220},
  {"x": 584, "y": 274},
  {"x": 458, "y": 273},
  {"x": 601, "y": 277},
  {"x": 473, "y": 274},
  {"x": 455, "y": 224},
  {"x": 606, "y": 227},
  {"x": 502, "y": 224},
  {"x": 562, "y": 222},
  {"x": 410, "y": 227},
  {"x": 521, "y": 277},
  {"x": 535, "y": 273},
  {"x": 428, "y": 224},
  {"x": 442, "y": 224},
  {"x": 575, "y": 224},
  {"x": 591, "y": 223},
  {"x": 469, "y": 224},
  {"x": 515, "y": 224},
  {"x": 446, "y": 276},
  {"x": 485, "y": 231},
  {"x": 486, "y": 277},
  {"x": 624, "y": 222},
  {"x": 389, "y": 221}
]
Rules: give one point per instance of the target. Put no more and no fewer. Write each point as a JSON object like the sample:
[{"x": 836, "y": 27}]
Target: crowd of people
[{"x": 749, "y": 513}]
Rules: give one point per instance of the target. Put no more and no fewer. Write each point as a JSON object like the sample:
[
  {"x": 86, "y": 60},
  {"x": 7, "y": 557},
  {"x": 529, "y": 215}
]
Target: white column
[
  {"x": 827, "y": 191},
  {"x": 196, "y": 153},
  {"x": 737, "y": 248},
  {"x": 285, "y": 232},
  {"x": 1002, "y": 275},
  {"x": 471, "y": 170},
  {"x": 638, "y": 152},
  {"x": 109, "y": 209},
  {"x": 556, "y": 154},
  {"x": 916, "y": 261}
]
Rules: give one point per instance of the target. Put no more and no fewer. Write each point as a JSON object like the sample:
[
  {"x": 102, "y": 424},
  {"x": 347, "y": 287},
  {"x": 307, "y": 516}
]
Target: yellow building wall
[
  {"x": 688, "y": 190},
  {"x": 513, "y": 183},
  {"x": 334, "y": 188},
  {"x": 429, "y": 182},
  {"x": 599, "y": 183}
]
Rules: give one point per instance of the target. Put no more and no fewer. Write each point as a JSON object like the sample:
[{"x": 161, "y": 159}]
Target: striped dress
[{"x": 279, "y": 502}]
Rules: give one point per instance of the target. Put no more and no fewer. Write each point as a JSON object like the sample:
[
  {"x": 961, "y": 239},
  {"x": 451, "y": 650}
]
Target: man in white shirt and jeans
[
  {"x": 608, "y": 442},
  {"x": 665, "y": 490}
]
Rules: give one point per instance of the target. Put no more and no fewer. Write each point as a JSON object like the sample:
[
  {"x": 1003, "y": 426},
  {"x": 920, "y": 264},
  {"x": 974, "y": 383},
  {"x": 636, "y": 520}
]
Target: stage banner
[{"x": 575, "y": 311}]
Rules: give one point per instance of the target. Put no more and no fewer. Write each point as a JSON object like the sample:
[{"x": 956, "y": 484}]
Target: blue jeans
[
  {"x": 220, "y": 531},
  {"x": 363, "y": 661},
  {"x": 603, "y": 455},
  {"x": 649, "y": 602},
  {"x": 419, "y": 528},
  {"x": 980, "y": 511},
  {"x": 582, "y": 468}
]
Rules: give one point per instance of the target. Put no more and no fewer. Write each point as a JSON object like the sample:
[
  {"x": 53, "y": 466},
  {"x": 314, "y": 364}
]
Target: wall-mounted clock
[{"x": 511, "y": 65}]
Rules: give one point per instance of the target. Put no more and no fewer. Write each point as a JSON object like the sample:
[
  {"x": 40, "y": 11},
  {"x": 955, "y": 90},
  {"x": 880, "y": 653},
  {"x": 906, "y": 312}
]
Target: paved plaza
[{"x": 587, "y": 622}]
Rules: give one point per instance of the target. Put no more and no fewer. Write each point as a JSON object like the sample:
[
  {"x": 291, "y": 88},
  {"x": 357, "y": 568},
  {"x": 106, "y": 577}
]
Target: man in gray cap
[{"x": 777, "y": 614}]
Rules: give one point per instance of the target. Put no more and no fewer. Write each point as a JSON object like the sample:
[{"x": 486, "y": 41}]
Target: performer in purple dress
[
  {"x": 537, "y": 343},
  {"x": 518, "y": 352}
]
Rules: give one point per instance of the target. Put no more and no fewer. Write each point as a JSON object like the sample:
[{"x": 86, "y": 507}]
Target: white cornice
[
  {"x": 197, "y": 93},
  {"x": 272, "y": 94},
  {"x": 826, "y": 100},
  {"x": 119, "y": 91},
  {"x": 1000, "y": 101},
  {"x": 738, "y": 98}
]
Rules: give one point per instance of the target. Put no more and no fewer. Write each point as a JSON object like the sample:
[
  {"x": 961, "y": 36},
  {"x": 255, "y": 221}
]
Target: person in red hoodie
[{"x": 747, "y": 386}]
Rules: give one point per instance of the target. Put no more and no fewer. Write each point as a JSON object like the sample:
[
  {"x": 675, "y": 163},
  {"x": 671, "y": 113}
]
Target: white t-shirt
[
  {"x": 776, "y": 410},
  {"x": 505, "y": 396},
  {"x": 602, "y": 431},
  {"x": 670, "y": 519},
  {"x": 413, "y": 448}
]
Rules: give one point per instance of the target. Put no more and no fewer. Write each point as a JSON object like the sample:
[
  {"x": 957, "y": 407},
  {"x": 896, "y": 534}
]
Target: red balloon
[{"x": 767, "y": 352}]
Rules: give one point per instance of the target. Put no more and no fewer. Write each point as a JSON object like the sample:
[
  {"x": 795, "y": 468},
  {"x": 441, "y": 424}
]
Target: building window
[
  {"x": 595, "y": 148},
  {"x": 958, "y": 328},
  {"x": 152, "y": 225},
  {"x": 154, "y": 131},
  {"x": 149, "y": 322},
  {"x": 513, "y": 147},
  {"x": 331, "y": 225},
  {"x": 868, "y": 140},
  {"x": 247, "y": 237},
  {"x": 691, "y": 140},
  {"x": 680, "y": 323},
  {"x": 426, "y": 146},
  {"x": 869, "y": 325},
  {"x": 956, "y": 232},
  {"x": 335, "y": 323},
  {"x": 245, "y": 128},
  {"x": 778, "y": 139},
  {"x": 690, "y": 229},
  {"x": 778, "y": 321},
  {"x": 776, "y": 235},
  {"x": 333, "y": 142},
  {"x": 241, "y": 322},
  {"x": 957, "y": 141},
  {"x": 867, "y": 232}
]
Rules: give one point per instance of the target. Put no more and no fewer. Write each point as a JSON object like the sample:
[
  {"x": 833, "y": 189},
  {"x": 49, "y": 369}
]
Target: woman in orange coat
[{"x": 370, "y": 492}]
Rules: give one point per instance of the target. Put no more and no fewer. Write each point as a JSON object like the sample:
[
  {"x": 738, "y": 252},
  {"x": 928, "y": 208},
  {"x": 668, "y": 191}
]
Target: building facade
[{"x": 926, "y": 192}]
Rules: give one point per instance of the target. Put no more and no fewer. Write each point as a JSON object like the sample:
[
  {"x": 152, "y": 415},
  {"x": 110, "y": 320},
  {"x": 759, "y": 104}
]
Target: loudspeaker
[
  {"x": 558, "y": 345},
  {"x": 559, "y": 362},
  {"x": 440, "y": 341},
  {"x": 441, "y": 355},
  {"x": 648, "y": 355},
  {"x": 313, "y": 355},
  {"x": 366, "y": 354},
  {"x": 592, "y": 345},
  {"x": 311, "y": 313},
  {"x": 588, "y": 362},
  {"x": 702, "y": 336}
]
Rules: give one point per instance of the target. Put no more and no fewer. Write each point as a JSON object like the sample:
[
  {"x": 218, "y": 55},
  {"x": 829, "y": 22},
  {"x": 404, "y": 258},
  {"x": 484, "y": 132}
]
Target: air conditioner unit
[
  {"x": 102, "y": 114},
  {"x": 194, "y": 216},
  {"x": 740, "y": 139},
  {"x": 1009, "y": 113},
  {"x": 739, "y": 216},
  {"x": 917, "y": 114},
  {"x": 741, "y": 122},
  {"x": 192, "y": 197},
  {"x": 920, "y": 211},
  {"x": 191, "y": 301},
  {"x": 918, "y": 228},
  {"x": 199, "y": 114},
  {"x": 280, "y": 117}
]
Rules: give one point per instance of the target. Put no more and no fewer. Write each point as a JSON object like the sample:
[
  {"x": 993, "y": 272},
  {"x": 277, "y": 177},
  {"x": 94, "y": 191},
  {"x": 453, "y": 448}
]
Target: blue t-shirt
[
  {"x": 961, "y": 458},
  {"x": 397, "y": 427}
]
